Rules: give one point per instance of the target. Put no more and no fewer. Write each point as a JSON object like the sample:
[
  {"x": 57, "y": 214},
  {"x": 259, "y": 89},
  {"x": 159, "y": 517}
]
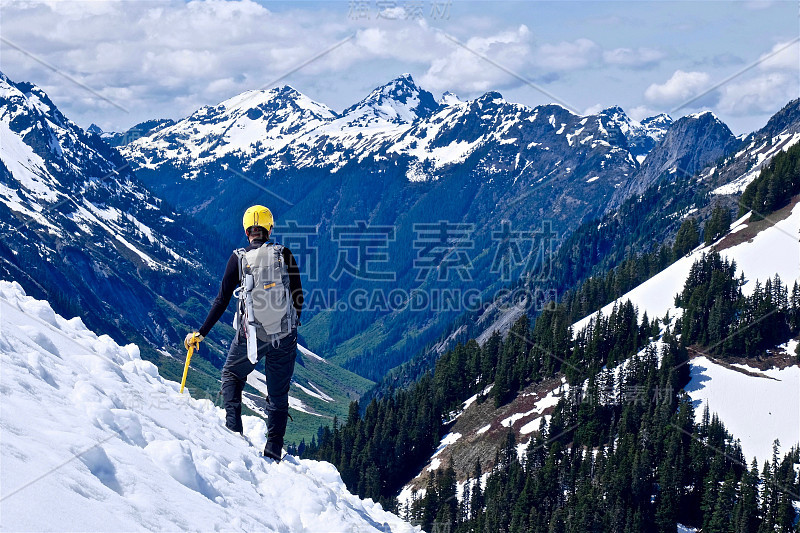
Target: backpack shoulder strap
[{"x": 240, "y": 253}]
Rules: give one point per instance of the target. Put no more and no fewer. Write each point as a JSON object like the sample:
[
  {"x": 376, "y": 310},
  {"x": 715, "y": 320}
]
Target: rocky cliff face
[
  {"x": 78, "y": 227},
  {"x": 689, "y": 144}
]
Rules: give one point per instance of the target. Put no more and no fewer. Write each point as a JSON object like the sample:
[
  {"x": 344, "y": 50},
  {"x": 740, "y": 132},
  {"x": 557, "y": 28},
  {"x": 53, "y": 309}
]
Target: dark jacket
[{"x": 230, "y": 280}]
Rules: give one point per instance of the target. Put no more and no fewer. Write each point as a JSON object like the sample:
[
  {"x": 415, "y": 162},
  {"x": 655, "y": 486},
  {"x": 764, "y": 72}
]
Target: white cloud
[
  {"x": 640, "y": 112},
  {"x": 763, "y": 94},
  {"x": 461, "y": 70},
  {"x": 168, "y": 58},
  {"x": 593, "y": 109},
  {"x": 565, "y": 55},
  {"x": 637, "y": 58},
  {"x": 783, "y": 56},
  {"x": 681, "y": 86}
]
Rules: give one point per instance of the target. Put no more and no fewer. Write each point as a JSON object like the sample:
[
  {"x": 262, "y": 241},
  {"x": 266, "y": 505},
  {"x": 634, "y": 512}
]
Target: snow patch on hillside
[
  {"x": 780, "y": 143},
  {"x": 755, "y": 409},
  {"x": 95, "y": 440},
  {"x": 779, "y": 243},
  {"x": 305, "y": 351}
]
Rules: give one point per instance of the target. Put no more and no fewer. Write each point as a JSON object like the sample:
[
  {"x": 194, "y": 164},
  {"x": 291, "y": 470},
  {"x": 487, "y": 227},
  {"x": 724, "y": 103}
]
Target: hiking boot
[{"x": 273, "y": 450}]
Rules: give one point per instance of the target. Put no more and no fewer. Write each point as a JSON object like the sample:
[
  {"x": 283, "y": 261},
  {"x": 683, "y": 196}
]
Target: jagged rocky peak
[
  {"x": 690, "y": 143},
  {"x": 642, "y": 136},
  {"x": 787, "y": 120},
  {"x": 616, "y": 113},
  {"x": 400, "y": 101},
  {"x": 490, "y": 98},
  {"x": 29, "y": 113},
  {"x": 662, "y": 120},
  {"x": 449, "y": 98},
  {"x": 142, "y": 129}
]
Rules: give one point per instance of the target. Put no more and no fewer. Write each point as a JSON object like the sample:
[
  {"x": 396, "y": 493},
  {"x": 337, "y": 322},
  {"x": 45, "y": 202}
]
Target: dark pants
[{"x": 279, "y": 370}]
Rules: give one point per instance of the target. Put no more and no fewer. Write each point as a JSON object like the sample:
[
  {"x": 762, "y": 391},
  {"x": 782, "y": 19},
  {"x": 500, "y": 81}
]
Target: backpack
[{"x": 265, "y": 306}]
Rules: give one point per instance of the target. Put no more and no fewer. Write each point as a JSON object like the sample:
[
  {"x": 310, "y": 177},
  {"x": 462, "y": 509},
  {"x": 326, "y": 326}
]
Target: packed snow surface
[
  {"x": 93, "y": 439},
  {"x": 756, "y": 407}
]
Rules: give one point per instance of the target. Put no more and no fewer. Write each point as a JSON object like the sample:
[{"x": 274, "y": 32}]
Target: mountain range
[
  {"x": 132, "y": 252},
  {"x": 399, "y": 158}
]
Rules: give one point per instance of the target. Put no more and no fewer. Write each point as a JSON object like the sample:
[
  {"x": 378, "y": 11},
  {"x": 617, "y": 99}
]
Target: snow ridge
[{"x": 95, "y": 440}]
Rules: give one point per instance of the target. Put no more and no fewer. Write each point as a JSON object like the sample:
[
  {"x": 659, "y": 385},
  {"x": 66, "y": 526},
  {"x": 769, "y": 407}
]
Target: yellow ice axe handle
[{"x": 186, "y": 366}]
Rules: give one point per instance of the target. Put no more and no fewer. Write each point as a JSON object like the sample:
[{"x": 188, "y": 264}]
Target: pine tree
[
  {"x": 687, "y": 238},
  {"x": 718, "y": 224}
]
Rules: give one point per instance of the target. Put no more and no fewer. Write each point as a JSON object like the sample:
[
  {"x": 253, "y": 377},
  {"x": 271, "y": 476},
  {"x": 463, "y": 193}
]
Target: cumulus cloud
[
  {"x": 463, "y": 70},
  {"x": 168, "y": 58},
  {"x": 593, "y": 109},
  {"x": 783, "y": 56},
  {"x": 762, "y": 94},
  {"x": 775, "y": 83},
  {"x": 680, "y": 87},
  {"x": 640, "y": 112},
  {"x": 144, "y": 55}
]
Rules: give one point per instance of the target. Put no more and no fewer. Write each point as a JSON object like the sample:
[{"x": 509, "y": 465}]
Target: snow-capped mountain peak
[
  {"x": 660, "y": 120},
  {"x": 275, "y": 99},
  {"x": 616, "y": 115},
  {"x": 256, "y": 123},
  {"x": 449, "y": 98},
  {"x": 703, "y": 114},
  {"x": 641, "y": 136},
  {"x": 400, "y": 101},
  {"x": 490, "y": 98}
]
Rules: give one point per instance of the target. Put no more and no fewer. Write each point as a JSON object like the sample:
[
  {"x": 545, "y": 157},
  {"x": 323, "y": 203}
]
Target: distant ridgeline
[{"x": 655, "y": 465}]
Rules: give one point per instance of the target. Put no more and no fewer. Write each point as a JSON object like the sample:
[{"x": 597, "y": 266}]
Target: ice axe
[{"x": 186, "y": 366}]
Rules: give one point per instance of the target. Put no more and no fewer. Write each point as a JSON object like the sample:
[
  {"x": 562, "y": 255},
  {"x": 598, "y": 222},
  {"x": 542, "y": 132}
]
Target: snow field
[
  {"x": 93, "y": 439},
  {"x": 778, "y": 243},
  {"x": 755, "y": 409}
]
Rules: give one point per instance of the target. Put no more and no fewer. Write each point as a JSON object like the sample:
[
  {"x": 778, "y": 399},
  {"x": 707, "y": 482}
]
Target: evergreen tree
[
  {"x": 718, "y": 225},
  {"x": 687, "y": 238}
]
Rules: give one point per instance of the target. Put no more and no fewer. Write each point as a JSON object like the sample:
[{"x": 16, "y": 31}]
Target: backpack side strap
[
  {"x": 240, "y": 253},
  {"x": 239, "y": 292}
]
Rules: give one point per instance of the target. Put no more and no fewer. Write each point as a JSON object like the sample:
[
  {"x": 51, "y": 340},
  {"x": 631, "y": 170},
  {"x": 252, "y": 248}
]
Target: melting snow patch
[
  {"x": 305, "y": 351},
  {"x": 533, "y": 425},
  {"x": 447, "y": 440}
]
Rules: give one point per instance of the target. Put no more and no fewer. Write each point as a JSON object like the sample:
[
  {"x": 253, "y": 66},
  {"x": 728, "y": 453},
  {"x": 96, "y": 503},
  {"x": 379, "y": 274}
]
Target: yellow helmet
[{"x": 258, "y": 215}]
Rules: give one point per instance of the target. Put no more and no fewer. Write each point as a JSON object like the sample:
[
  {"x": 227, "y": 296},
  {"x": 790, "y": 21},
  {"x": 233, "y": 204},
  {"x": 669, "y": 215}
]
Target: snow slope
[
  {"x": 757, "y": 409},
  {"x": 762, "y": 155},
  {"x": 779, "y": 243},
  {"x": 93, "y": 439}
]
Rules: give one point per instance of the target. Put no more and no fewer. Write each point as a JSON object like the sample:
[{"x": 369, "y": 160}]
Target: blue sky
[{"x": 118, "y": 63}]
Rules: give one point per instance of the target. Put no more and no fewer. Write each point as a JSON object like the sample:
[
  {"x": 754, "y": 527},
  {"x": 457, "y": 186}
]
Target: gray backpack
[{"x": 265, "y": 306}]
